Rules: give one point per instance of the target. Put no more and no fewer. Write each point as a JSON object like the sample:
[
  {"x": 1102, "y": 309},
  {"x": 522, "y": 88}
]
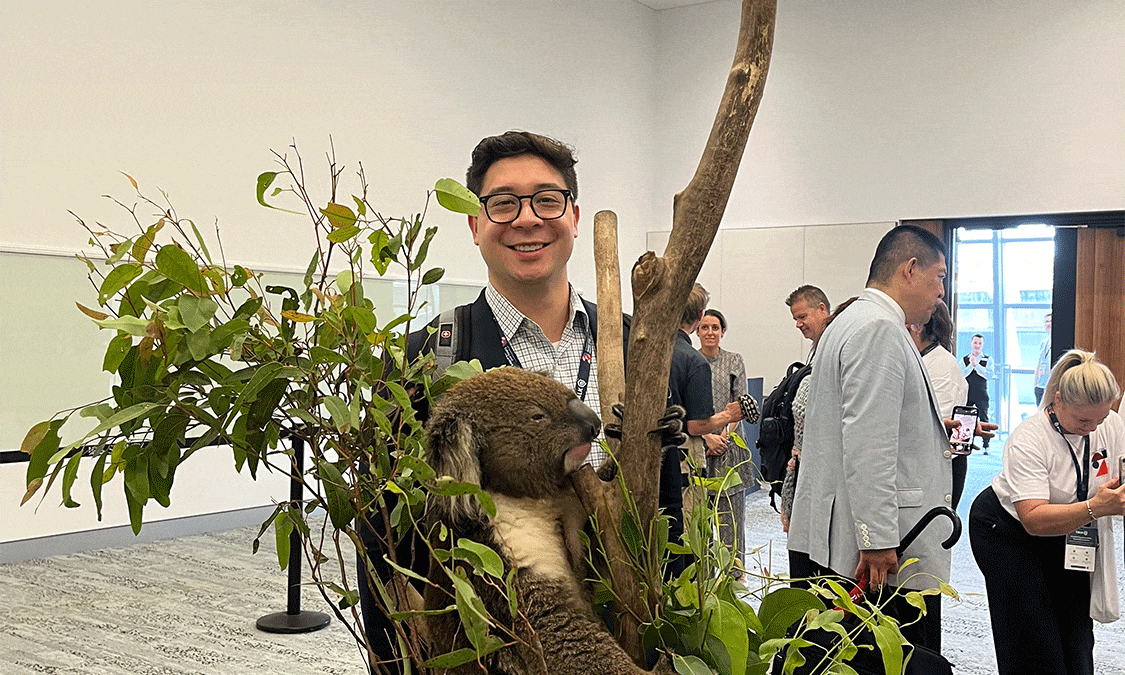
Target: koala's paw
[{"x": 670, "y": 427}]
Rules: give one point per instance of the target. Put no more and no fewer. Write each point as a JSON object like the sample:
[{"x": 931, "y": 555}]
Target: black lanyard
[
  {"x": 1083, "y": 473},
  {"x": 583, "y": 381}
]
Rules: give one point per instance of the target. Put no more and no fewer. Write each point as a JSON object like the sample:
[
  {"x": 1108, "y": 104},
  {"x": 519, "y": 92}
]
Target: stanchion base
[{"x": 301, "y": 622}]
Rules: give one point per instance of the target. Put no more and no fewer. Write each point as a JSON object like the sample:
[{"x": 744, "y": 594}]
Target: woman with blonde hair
[{"x": 1041, "y": 533}]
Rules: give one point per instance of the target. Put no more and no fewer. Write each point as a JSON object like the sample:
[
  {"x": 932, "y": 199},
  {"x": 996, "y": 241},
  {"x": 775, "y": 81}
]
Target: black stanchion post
[{"x": 293, "y": 620}]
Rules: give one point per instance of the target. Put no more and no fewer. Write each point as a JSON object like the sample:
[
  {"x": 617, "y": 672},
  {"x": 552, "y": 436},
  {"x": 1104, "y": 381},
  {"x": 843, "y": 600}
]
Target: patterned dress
[{"x": 728, "y": 381}]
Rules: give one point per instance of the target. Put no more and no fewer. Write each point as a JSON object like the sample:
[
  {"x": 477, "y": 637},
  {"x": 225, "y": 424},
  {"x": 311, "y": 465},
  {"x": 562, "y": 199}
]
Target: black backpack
[{"x": 775, "y": 433}]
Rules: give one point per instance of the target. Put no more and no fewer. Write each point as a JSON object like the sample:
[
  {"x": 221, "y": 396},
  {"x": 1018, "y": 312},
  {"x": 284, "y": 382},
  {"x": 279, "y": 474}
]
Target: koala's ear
[{"x": 454, "y": 451}]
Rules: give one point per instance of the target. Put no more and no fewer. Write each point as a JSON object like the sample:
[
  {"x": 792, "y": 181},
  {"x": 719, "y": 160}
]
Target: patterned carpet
[{"x": 187, "y": 607}]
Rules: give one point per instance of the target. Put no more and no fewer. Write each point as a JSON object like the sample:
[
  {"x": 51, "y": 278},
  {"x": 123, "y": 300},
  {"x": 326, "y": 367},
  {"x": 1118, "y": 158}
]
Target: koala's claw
[{"x": 670, "y": 425}]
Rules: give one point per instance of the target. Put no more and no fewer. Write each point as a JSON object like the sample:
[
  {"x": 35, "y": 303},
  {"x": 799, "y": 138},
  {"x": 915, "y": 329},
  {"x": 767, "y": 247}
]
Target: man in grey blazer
[{"x": 876, "y": 455}]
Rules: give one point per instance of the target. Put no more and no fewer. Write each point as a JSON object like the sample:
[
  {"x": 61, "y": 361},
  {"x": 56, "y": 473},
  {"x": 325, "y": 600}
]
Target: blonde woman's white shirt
[{"x": 1038, "y": 465}]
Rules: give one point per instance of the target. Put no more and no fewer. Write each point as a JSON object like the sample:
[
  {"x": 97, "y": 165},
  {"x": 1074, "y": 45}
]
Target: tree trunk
[{"x": 660, "y": 288}]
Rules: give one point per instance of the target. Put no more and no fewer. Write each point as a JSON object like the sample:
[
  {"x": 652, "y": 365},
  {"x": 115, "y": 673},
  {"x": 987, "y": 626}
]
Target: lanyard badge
[{"x": 1082, "y": 544}]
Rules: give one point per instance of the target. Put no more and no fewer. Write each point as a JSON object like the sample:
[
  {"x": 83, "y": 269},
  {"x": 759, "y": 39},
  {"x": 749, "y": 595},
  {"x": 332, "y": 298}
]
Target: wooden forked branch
[{"x": 660, "y": 288}]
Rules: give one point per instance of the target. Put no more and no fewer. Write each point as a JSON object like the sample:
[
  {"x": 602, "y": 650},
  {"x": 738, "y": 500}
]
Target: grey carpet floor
[{"x": 188, "y": 606}]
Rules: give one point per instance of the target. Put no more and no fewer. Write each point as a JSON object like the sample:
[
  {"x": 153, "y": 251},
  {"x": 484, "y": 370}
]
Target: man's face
[
  {"x": 978, "y": 344},
  {"x": 529, "y": 250},
  {"x": 926, "y": 288},
  {"x": 1047, "y": 323},
  {"x": 811, "y": 321}
]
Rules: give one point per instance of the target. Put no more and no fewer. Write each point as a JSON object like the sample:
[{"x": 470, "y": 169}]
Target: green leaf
[
  {"x": 117, "y": 279},
  {"x": 338, "y": 411},
  {"x": 433, "y": 276},
  {"x": 340, "y": 507},
  {"x": 463, "y": 656},
  {"x": 136, "y": 512},
  {"x": 631, "y": 534},
  {"x": 362, "y": 317},
  {"x": 729, "y": 625},
  {"x": 343, "y": 234},
  {"x": 890, "y": 646},
  {"x": 196, "y": 312},
  {"x": 115, "y": 352},
  {"x": 783, "y": 607},
  {"x": 691, "y": 665},
  {"x": 490, "y": 560},
  {"x": 175, "y": 263},
  {"x": 265, "y": 180},
  {"x": 129, "y": 324},
  {"x": 340, "y": 217},
  {"x": 474, "y": 616},
  {"x": 282, "y": 526},
  {"x": 122, "y": 416},
  {"x": 97, "y": 479},
  {"x": 68, "y": 480},
  {"x": 144, "y": 242},
  {"x": 199, "y": 240},
  {"x": 136, "y": 478},
  {"x": 456, "y": 197}
]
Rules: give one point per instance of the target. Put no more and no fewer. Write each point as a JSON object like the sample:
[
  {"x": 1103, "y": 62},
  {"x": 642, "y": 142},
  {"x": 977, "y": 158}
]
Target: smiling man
[
  {"x": 528, "y": 316},
  {"x": 810, "y": 309}
]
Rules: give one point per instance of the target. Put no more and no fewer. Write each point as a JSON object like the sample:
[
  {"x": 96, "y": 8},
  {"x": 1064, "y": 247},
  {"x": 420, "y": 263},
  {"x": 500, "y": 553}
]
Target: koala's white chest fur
[{"x": 542, "y": 534}]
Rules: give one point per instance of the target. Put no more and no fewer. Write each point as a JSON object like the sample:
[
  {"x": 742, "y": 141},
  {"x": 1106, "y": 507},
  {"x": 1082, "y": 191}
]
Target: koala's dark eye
[{"x": 539, "y": 417}]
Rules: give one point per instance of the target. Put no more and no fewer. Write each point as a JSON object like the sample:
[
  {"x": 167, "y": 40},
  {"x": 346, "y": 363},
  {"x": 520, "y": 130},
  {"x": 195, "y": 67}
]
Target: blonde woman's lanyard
[{"x": 1081, "y": 544}]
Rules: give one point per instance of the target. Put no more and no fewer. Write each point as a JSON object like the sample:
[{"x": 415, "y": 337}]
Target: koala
[{"x": 520, "y": 435}]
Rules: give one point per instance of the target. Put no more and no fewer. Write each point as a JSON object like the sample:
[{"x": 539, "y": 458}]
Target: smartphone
[
  {"x": 961, "y": 438},
  {"x": 1121, "y": 470}
]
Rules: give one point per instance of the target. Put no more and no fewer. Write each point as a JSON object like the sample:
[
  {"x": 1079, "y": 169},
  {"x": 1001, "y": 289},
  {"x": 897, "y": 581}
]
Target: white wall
[
  {"x": 191, "y": 96},
  {"x": 879, "y": 111}
]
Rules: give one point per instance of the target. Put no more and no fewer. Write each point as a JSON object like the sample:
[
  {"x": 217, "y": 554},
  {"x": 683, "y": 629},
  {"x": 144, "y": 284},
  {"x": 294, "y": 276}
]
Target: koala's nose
[{"x": 586, "y": 416}]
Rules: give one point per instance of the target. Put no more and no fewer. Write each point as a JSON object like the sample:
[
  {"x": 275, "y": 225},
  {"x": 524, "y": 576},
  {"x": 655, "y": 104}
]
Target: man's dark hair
[
  {"x": 977, "y": 335},
  {"x": 718, "y": 315},
  {"x": 514, "y": 144},
  {"x": 697, "y": 301},
  {"x": 901, "y": 244},
  {"x": 812, "y": 296}
]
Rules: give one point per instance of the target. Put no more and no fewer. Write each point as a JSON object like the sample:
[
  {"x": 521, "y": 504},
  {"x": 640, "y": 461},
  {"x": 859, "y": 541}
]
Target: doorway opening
[{"x": 1004, "y": 281}]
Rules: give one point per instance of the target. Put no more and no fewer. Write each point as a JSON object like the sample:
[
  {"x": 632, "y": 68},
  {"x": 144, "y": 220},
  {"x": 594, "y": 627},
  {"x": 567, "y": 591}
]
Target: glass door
[{"x": 1003, "y": 282}]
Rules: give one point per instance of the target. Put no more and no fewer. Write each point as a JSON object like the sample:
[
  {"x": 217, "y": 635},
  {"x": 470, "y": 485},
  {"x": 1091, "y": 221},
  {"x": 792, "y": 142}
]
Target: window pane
[
  {"x": 1028, "y": 268},
  {"x": 974, "y": 273}
]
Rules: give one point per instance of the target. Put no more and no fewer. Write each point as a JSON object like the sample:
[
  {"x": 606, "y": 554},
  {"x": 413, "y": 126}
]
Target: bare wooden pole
[{"x": 611, "y": 358}]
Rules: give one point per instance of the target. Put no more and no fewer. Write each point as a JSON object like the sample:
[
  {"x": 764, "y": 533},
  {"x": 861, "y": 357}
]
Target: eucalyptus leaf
[
  {"x": 340, "y": 507},
  {"x": 265, "y": 180},
  {"x": 490, "y": 561},
  {"x": 340, "y": 217},
  {"x": 196, "y": 312},
  {"x": 132, "y": 325},
  {"x": 175, "y": 263},
  {"x": 456, "y": 197},
  {"x": 118, "y": 278}
]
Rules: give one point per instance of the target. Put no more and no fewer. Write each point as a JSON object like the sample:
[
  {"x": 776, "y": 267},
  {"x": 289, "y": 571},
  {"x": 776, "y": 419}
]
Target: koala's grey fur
[{"x": 519, "y": 435}]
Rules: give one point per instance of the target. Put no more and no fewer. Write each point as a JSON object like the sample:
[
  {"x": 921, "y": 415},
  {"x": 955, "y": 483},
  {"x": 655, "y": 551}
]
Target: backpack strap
[{"x": 448, "y": 341}]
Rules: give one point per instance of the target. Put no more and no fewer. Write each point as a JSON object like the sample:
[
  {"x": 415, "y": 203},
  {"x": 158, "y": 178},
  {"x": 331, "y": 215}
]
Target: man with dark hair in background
[
  {"x": 876, "y": 455},
  {"x": 689, "y": 386}
]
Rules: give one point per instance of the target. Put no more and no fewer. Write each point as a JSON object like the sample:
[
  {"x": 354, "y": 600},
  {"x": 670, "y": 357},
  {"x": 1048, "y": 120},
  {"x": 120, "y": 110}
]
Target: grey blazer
[{"x": 875, "y": 456}]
